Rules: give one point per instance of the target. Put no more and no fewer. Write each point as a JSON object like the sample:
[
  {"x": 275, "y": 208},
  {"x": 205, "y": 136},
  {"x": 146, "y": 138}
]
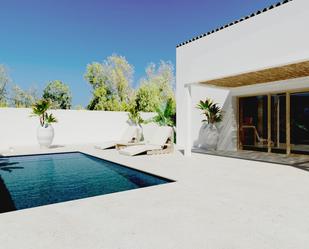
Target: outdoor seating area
[
  {"x": 131, "y": 136},
  {"x": 135, "y": 141},
  {"x": 160, "y": 141}
]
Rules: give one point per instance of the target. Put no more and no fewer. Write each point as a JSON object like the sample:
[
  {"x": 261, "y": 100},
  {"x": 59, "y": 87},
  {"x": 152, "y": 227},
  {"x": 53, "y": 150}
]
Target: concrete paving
[
  {"x": 216, "y": 203},
  {"x": 294, "y": 160}
]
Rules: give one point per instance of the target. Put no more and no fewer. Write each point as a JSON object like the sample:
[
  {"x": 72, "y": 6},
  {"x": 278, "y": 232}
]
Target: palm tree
[
  {"x": 40, "y": 109},
  {"x": 166, "y": 116},
  {"x": 211, "y": 110}
]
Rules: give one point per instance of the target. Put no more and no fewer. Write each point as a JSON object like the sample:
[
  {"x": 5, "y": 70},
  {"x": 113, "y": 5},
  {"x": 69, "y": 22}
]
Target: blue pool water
[{"x": 30, "y": 181}]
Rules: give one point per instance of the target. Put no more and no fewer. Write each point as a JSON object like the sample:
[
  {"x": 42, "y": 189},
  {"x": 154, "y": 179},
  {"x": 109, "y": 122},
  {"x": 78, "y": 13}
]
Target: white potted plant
[
  {"x": 45, "y": 131},
  {"x": 209, "y": 135}
]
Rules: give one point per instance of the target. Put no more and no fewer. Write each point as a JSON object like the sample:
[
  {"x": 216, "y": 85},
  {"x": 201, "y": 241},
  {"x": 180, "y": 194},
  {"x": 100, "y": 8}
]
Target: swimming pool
[{"x": 36, "y": 180}]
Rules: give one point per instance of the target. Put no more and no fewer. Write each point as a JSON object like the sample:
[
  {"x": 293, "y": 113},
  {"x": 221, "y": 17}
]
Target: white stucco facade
[{"x": 273, "y": 38}]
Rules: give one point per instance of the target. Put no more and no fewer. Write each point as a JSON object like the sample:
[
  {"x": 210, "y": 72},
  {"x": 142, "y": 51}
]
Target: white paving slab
[{"x": 215, "y": 203}]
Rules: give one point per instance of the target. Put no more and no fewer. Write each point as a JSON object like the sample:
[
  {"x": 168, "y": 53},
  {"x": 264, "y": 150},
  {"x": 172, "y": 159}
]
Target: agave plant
[
  {"x": 40, "y": 109},
  {"x": 211, "y": 110}
]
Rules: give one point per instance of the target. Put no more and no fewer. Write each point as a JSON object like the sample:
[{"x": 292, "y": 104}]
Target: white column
[{"x": 188, "y": 110}]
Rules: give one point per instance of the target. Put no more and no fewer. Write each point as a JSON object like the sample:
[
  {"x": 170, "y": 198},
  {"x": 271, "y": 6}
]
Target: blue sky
[{"x": 55, "y": 39}]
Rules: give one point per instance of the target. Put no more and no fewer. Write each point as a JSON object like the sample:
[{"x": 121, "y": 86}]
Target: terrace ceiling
[{"x": 285, "y": 72}]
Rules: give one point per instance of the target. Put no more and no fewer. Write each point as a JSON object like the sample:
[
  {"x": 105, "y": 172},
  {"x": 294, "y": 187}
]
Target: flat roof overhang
[{"x": 280, "y": 73}]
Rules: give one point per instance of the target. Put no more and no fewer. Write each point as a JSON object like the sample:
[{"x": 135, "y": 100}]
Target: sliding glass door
[
  {"x": 299, "y": 122},
  {"x": 253, "y": 113},
  {"x": 276, "y": 123}
]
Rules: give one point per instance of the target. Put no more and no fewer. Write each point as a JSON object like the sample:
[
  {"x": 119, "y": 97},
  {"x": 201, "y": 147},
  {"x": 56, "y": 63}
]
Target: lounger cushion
[
  {"x": 161, "y": 135},
  {"x": 148, "y": 130},
  {"x": 106, "y": 145},
  {"x": 130, "y": 133},
  {"x": 138, "y": 149}
]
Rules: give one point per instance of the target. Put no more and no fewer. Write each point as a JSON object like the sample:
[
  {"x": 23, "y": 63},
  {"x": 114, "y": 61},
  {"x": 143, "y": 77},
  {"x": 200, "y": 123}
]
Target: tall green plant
[
  {"x": 134, "y": 115},
  {"x": 211, "y": 110},
  {"x": 166, "y": 115},
  {"x": 40, "y": 109}
]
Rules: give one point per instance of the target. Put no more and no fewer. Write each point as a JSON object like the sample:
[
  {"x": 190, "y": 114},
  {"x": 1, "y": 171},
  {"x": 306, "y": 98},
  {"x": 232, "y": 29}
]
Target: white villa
[
  {"x": 78, "y": 195},
  {"x": 257, "y": 69}
]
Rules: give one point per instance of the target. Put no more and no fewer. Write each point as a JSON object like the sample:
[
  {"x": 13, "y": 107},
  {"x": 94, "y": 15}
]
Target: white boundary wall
[
  {"x": 17, "y": 128},
  {"x": 274, "y": 38}
]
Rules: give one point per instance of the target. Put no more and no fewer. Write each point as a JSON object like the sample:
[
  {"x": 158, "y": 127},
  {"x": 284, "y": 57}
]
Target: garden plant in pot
[
  {"x": 135, "y": 119},
  {"x": 209, "y": 135},
  {"x": 45, "y": 131}
]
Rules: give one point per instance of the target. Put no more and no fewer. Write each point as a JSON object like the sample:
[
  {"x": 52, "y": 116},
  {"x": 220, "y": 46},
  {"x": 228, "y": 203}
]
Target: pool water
[{"x": 31, "y": 181}]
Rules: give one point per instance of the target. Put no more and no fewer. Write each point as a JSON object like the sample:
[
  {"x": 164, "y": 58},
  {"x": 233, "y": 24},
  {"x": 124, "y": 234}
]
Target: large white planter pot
[
  {"x": 45, "y": 136},
  {"x": 208, "y": 137}
]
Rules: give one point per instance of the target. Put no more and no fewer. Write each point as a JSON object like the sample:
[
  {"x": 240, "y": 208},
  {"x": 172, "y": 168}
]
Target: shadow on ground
[
  {"x": 296, "y": 161},
  {"x": 6, "y": 202},
  {"x": 56, "y": 146}
]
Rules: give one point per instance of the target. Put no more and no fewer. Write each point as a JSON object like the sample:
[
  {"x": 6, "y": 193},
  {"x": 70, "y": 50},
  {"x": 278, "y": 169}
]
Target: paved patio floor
[
  {"x": 294, "y": 160},
  {"x": 216, "y": 203}
]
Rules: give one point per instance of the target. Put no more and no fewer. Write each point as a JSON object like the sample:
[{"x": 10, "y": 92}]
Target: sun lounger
[
  {"x": 160, "y": 142},
  {"x": 121, "y": 145},
  {"x": 131, "y": 136}
]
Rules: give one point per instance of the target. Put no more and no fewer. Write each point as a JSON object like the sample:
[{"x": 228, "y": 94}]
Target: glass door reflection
[{"x": 253, "y": 123}]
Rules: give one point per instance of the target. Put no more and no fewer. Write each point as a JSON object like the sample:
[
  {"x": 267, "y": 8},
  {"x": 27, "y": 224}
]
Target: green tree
[
  {"x": 120, "y": 75},
  {"x": 59, "y": 94},
  {"x": 78, "y": 107},
  {"x": 111, "y": 82},
  {"x": 4, "y": 80},
  {"x": 23, "y": 98},
  {"x": 156, "y": 88},
  {"x": 147, "y": 98}
]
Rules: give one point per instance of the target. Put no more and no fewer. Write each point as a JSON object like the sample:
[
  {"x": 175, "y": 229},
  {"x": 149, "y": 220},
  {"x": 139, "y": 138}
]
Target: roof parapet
[{"x": 235, "y": 22}]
